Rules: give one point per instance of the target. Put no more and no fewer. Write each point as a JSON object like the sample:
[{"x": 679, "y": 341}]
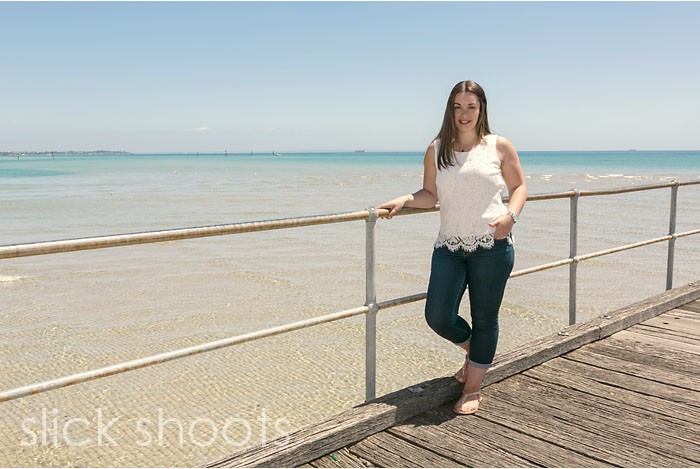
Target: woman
[{"x": 467, "y": 168}]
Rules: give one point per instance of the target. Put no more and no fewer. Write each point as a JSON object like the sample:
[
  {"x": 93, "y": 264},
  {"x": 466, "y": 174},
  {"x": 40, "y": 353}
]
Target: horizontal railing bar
[
  {"x": 52, "y": 247},
  {"x": 627, "y": 247},
  {"x": 553, "y": 196},
  {"x": 81, "y": 244},
  {"x": 686, "y": 233},
  {"x": 624, "y": 190},
  {"x": 181, "y": 353},
  {"x": 100, "y": 242},
  {"x": 189, "y": 351},
  {"x": 401, "y": 301},
  {"x": 382, "y": 212},
  {"x": 622, "y": 248},
  {"x": 542, "y": 267}
]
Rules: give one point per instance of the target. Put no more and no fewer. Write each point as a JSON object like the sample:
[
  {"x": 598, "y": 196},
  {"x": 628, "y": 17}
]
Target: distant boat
[
  {"x": 274, "y": 153},
  {"x": 359, "y": 151}
]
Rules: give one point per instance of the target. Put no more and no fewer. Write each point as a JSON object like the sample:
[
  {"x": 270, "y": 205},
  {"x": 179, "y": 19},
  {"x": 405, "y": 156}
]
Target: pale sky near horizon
[{"x": 249, "y": 76}]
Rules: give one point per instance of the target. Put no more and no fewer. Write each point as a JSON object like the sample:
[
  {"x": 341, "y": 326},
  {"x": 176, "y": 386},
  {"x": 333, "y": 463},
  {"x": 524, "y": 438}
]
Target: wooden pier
[{"x": 621, "y": 390}]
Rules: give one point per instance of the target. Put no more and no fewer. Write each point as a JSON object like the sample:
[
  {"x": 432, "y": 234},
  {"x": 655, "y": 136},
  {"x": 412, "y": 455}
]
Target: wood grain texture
[
  {"x": 355, "y": 425},
  {"x": 493, "y": 445}
]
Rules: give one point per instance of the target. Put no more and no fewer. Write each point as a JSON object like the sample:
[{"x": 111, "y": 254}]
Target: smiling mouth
[{"x": 464, "y": 122}]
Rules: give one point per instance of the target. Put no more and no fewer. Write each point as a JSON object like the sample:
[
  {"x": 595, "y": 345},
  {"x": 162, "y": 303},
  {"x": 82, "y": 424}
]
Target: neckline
[{"x": 473, "y": 148}]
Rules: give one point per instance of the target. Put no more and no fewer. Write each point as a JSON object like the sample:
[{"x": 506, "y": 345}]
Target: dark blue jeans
[{"x": 485, "y": 272}]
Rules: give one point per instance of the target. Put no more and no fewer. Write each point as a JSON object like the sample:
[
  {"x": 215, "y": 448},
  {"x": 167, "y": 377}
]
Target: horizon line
[{"x": 265, "y": 152}]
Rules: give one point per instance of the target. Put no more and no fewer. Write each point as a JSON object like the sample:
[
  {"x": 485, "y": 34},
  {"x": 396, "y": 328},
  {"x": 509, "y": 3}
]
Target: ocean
[{"x": 72, "y": 312}]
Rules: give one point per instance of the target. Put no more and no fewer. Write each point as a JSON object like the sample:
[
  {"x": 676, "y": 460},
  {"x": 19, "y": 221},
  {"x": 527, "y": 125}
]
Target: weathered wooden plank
[
  {"x": 464, "y": 445},
  {"x": 659, "y": 339},
  {"x": 641, "y": 311},
  {"x": 676, "y": 336},
  {"x": 689, "y": 322},
  {"x": 678, "y": 416},
  {"x": 488, "y": 440},
  {"x": 631, "y": 425},
  {"x": 682, "y": 326},
  {"x": 386, "y": 450},
  {"x": 602, "y": 420},
  {"x": 625, "y": 381},
  {"x": 684, "y": 343},
  {"x": 341, "y": 458},
  {"x": 341, "y": 430},
  {"x": 684, "y": 313},
  {"x": 647, "y": 345},
  {"x": 643, "y": 371},
  {"x": 314, "y": 441},
  {"x": 572, "y": 337},
  {"x": 647, "y": 354},
  {"x": 693, "y": 306},
  {"x": 499, "y": 409}
]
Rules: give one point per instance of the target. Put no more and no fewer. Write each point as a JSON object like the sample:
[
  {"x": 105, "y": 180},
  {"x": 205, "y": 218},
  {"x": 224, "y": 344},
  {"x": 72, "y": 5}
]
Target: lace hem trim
[{"x": 468, "y": 243}]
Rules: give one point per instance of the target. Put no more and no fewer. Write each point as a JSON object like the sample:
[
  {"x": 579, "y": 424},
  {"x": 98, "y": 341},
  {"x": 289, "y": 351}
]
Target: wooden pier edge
[{"x": 352, "y": 425}]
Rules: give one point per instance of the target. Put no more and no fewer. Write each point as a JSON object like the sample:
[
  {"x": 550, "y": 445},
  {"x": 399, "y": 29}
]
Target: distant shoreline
[{"x": 64, "y": 153}]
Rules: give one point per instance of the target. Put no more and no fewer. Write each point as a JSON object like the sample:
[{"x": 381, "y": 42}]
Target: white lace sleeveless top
[{"x": 470, "y": 197}]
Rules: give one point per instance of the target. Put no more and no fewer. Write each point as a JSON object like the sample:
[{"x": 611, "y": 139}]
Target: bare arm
[
  {"x": 423, "y": 198},
  {"x": 514, "y": 179}
]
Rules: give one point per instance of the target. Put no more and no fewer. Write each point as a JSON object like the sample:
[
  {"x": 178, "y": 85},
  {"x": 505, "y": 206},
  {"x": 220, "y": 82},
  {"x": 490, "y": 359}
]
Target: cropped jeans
[{"x": 485, "y": 272}]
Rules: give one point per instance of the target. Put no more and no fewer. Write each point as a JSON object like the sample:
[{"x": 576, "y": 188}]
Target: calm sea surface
[{"x": 66, "y": 313}]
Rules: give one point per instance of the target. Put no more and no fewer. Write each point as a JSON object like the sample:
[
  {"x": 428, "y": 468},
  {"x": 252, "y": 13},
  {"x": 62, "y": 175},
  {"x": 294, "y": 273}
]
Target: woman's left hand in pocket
[{"x": 502, "y": 225}]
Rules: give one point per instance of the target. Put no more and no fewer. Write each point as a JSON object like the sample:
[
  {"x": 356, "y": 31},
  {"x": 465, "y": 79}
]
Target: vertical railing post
[
  {"x": 672, "y": 231},
  {"x": 573, "y": 250},
  {"x": 371, "y": 302}
]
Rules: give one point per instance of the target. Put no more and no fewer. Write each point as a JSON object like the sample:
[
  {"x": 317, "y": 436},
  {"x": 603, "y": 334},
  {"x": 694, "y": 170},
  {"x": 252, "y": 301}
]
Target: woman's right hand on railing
[{"x": 395, "y": 205}]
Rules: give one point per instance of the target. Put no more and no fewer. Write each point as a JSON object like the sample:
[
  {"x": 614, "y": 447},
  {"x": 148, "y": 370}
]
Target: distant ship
[
  {"x": 359, "y": 151},
  {"x": 274, "y": 153}
]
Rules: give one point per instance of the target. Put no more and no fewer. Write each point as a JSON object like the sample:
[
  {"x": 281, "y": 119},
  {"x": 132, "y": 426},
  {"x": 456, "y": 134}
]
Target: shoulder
[
  {"x": 433, "y": 148},
  {"x": 431, "y": 152},
  {"x": 504, "y": 148},
  {"x": 502, "y": 143}
]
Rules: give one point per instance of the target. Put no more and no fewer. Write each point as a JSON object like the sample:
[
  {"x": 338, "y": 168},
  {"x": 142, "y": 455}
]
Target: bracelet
[{"x": 513, "y": 216}]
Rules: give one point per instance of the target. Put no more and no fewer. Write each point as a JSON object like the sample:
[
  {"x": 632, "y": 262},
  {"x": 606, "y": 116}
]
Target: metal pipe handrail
[
  {"x": 181, "y": 353},
  {"x": 627, "y": 247},
  {"x": 217, "y": 230},
  {"x": 624, "y": 190},
  {"x": 130, "y": 239}
]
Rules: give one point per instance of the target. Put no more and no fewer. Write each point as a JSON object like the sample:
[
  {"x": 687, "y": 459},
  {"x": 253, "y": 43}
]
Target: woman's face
[{"x": 466, "y": 111}]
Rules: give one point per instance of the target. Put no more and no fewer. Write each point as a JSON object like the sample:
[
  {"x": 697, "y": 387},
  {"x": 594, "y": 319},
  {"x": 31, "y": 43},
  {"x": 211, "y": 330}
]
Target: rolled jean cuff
[{"x": 479, "y": 365}]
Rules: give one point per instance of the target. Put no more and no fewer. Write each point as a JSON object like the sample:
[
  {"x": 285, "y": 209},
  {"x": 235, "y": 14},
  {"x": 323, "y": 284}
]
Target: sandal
[
  {"x": 467, "y": 397},
  {"x": 461, "y": 375}
]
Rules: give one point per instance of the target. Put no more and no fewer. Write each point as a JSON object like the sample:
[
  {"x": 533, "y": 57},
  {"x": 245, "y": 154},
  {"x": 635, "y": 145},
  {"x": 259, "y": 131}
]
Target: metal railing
[{"x": 371, "y": 306}]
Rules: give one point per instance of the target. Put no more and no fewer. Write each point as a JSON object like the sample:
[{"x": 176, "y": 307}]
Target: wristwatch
[{"x": 513, "y": 216}]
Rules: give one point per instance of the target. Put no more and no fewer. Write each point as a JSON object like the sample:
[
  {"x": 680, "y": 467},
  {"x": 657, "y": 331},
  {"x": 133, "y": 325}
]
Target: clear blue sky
[{"x": 152, "y": 77}]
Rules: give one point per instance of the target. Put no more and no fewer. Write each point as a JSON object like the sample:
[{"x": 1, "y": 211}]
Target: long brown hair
[{"x": 448, "y": 132}]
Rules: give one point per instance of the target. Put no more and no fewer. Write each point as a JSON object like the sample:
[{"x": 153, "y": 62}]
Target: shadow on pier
[{"x": 620, "y": 390}]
